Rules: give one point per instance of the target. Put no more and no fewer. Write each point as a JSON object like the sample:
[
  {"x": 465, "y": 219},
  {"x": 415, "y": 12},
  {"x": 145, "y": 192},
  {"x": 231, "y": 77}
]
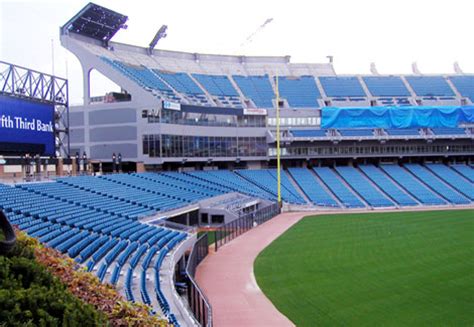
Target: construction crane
[{"x": 250, "y": 38}]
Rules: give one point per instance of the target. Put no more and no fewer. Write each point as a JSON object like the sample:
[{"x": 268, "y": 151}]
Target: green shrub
[{"x": 31, "y": 296}]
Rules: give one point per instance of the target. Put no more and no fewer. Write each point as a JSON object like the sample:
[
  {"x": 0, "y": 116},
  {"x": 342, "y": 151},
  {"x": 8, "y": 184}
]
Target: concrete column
[
  {"x": 86, "y": 72},
  {"x": 45, "y": 169},
  {"x": 140, "y": 167},
  {"x": 60, "y": 167},
  {"x": 74, "y": 167},
  {"x": 187, "y": 219}
]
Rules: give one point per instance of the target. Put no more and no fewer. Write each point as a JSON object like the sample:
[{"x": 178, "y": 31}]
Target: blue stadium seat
[
  {"x": 412, "y": 185},
  {"x": 310, "y": 133},
  {"x": 342, "y": 86},
  {"x": 300, "y": 92},
  {"x": 464, "y": 85},
  {"x": 333, "y": 182},
  {"x": 465, "y": 170},
  {"x": 256, "y": 88},
  {"x": 363, "y": 187},
  {"x": 386, "y": 86},
  {"x": 217, "y": 85},
  {"x": 454, "y": 179},
  {"x": 434, "y": 183},
  {"x": 356, "y": 132},
  {"x": 312, "y": 187},
  {"x": 402, "y": 132},
  {"x": 266, "y": 179},
  {"x": 448, "y": 131},
  {"x": 430, "y": 86},
  {"x": 387, "y": 185}
]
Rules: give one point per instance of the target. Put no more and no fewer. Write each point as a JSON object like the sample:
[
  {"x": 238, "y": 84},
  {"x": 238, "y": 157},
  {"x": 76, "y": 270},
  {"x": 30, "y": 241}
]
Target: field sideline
[{"x": 373, "y": 269}]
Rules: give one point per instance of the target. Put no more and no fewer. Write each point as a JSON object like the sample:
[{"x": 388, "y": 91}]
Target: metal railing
[
  {"x": 227, "y": 232},
  {"x": 197, "y": 301},
  {"x": 177, "y": 226}
]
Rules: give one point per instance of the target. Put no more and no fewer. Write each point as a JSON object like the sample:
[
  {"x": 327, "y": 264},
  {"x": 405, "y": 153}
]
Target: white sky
[{"x": 391, "y": 33}]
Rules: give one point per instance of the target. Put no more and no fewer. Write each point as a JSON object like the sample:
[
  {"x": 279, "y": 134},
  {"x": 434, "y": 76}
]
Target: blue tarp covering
[{"x": 396, "y": 117}]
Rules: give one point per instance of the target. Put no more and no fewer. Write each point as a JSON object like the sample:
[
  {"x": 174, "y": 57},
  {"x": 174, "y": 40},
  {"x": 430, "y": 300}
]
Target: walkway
[{"x": 227, "y": 278}]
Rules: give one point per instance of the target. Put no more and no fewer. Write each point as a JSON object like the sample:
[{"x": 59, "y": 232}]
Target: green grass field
[
  {"x": 379, "y": 269},
  {"x": 211, "y": 236}
]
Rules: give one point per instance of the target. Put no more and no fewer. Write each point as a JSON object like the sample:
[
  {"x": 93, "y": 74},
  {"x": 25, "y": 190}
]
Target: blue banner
[
  {"x": 396, "y": 117},
  {"x": 27, "y": 122}
]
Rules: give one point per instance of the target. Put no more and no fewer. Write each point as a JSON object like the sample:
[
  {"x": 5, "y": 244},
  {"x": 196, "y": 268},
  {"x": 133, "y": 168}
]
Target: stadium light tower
[{"x": 161, "y": 34}]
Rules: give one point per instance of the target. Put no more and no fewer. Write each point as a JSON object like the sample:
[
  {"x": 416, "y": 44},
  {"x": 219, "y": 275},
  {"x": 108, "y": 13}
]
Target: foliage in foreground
[
  {"x": 40, "y": 286},
  {"x": 31, "y": 296}
]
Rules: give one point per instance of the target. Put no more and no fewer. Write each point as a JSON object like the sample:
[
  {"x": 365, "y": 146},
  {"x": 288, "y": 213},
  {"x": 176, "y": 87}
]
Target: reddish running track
[{"x": 227, "y": 278}]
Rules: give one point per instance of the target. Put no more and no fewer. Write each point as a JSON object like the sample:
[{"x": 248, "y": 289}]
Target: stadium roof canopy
[{"x": 96, "y": 22}]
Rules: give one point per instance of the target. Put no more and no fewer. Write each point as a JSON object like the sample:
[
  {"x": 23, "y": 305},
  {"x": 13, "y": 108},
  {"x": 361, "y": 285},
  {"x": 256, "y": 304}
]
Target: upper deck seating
[
  {"x": 386, "y": 86},
  {"x": 342, "y": 86},
  {"x": 300, "y": 92},
  {"x": 430, "y": 86},
  {"x": 464, "y": 85},
  {"x": 256, "y": 88}
]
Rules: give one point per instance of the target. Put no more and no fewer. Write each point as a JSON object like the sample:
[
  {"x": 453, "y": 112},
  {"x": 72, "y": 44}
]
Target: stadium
[{"x": 232, "y": 190}]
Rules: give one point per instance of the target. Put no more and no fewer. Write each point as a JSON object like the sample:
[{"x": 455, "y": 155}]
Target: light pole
[{"x": 277, "y": 93}]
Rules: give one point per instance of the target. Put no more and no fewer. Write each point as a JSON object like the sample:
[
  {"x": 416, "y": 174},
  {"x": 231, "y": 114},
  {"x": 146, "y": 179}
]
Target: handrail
[
  {"x": 197, "y": 300},
  {"x": 227, "y": 232}
]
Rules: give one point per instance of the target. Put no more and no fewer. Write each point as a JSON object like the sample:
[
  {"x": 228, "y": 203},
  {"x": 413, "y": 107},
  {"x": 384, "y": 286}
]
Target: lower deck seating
[
  {"x": 412, "y": 185},
  {"x": 313, "y": 189},
  {"x": 233, "y": 182},
  {"x": 440, "y": 187},
  {"x": 465, "y": 170},
  {"x": 267, "y": 179},
  {"x": 364, "y": 187},
  {"x": 334, "y": 183},
  {"x": 453, "y": 178},
  {"x": 389, "y": 186},
  {"x": 125, "y": 244}
]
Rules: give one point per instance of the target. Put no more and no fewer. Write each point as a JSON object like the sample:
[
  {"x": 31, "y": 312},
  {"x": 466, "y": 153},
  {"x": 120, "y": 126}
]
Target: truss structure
[{"x": 32, "y": 85}]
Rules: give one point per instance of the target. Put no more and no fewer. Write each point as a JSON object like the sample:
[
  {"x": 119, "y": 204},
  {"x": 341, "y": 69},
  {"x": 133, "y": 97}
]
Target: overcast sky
[{"x": 391, "y": 33}]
